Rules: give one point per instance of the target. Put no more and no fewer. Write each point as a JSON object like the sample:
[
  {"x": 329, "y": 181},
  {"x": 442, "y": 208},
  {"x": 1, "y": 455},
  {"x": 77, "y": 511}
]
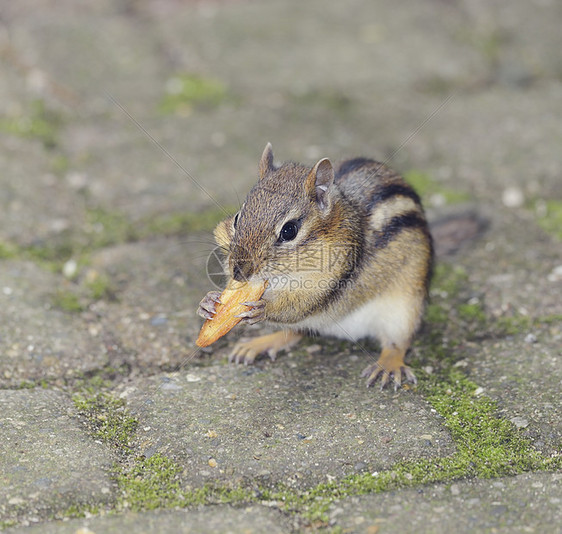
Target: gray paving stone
[
  {"x": 47, "y": 461},
  {"x": 38, "y": 341},
  {"x": 303, "y": 420},
  {"x": 317, "y": 79},
  {"x": 508, "y": 370},
  {"x": 510, "y": 271},
  {"x": 525, "y": 503},
  {"x": 35, "y": 204},
  {"x": 157, "y": 286},
  {"x": 225, "y": 519}
]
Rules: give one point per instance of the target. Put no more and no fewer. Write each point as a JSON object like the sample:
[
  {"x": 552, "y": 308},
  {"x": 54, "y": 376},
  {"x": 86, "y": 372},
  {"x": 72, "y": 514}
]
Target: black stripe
[
  {"x": 430, "y": 264},
  {"x": 351, "y": 165},
  {"x": 347, "y": 277},
  {"x": 412, "y": 219},
  {"x": 394, "y": 189}
]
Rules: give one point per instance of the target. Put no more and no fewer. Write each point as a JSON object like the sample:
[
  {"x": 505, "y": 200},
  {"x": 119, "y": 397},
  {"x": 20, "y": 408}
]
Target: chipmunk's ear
[
  {"x": 266, "y": 162},
  {"x": 319, "y": 181}
]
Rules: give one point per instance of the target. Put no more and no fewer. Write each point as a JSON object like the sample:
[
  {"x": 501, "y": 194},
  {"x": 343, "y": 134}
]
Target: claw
[
  {"x": 207, "y": 306},
  {"x": 410, "y": 377},
  {"x": 389, "y": 367},
  {"x": 255, "y": 313},
  {"x": 205, "y": 314},
  {"x": 373, "y": 375},
  {"x": 247, "y": 351},
  {"x": 397, "y": 377},
  {"x": 242, "y": 353},
  {"x": 385, "y": 379},
  {"x": 250, "y": 314},
  {"x": 256, "y": 304}
]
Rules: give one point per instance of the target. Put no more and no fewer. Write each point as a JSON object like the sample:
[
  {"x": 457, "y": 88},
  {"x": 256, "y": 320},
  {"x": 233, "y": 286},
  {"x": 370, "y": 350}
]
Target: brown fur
[{"x": 376, "y": 258}]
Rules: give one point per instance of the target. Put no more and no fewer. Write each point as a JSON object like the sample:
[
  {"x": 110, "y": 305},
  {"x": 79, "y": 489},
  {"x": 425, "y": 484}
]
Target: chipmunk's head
[{"x": 286, "y": 224}]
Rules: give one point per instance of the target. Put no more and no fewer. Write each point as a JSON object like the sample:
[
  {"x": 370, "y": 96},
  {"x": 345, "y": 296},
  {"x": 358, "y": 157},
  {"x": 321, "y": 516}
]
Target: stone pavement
[{"x": 130, "y": 128}]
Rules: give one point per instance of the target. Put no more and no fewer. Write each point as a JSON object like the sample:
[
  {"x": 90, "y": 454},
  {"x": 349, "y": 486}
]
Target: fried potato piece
[{"x": 231, "y": 305}]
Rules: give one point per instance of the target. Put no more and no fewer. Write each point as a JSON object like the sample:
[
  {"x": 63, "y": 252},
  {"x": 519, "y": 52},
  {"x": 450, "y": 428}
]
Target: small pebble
[
  {"x": 158, "y": 320},
  {"x": 513, "y": 197},
  {"x": 212, "y": 462},
  {"x": 359, "y": 466},
  {"x": 70, "y": 268},
  {"x": 530, "y": 338},
  {"x": 170, "y": 386},
  {"x": 313, "y": 349},
  {"x": 76, "y": 180},
  {"x": 520, "y": 422},
  {"x": 555, "y": 275},
  {"x": 455, "y": 490}
]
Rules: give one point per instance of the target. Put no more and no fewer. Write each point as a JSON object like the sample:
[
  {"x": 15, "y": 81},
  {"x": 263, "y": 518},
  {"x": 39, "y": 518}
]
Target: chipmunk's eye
[
  {"x": 235, "y": 220},
  {"x": 289, "y": 231}
]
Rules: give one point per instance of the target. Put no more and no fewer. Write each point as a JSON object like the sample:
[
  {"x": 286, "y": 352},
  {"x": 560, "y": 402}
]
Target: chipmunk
[{"x": 346, "y": 252}]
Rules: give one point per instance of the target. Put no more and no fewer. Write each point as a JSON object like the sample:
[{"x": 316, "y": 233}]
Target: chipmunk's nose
[{"x": 242, "y": 269}]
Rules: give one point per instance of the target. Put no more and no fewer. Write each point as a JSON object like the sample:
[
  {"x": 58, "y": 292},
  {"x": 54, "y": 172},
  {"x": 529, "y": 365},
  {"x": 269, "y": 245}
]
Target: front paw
[
  {"x": 207, "y": 306},
  {"x": 255, "y": 312}
]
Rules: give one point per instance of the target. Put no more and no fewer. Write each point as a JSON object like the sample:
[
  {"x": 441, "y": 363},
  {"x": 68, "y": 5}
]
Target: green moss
[
  {"x": 491, "y": 44},
  {"x": 50, "y": 255},
  {"x": 517, "y": 324},
  {"x": 100, "y": 287},
  {"x": 7, "y": 251},
  {"x": 75, "y": 511},
  {"x": 551, "y": 220},
  {"x": 513, "y": 325},
  {"x": 491, "y": 446},
  {"x": 39, "y": 122},
  {"x": 472, "y": 312},
  {"x": 67, "y": 301},
  {"x": 436, "y": 314},
  {"x": 185, "y": 223},
  {"x": 105, "y": 228},
  {"x": 448, "y": 280},
  {"x": 187, "y": 91},
  {"x": 59, "y": 164},
  {"x": 152, "y": 483},
  {"x": 26, "y": 384},
  {"x": 107, "y": 417},
  {"x": 426, "y": 186},
  {"x": 155, "y": 482}
]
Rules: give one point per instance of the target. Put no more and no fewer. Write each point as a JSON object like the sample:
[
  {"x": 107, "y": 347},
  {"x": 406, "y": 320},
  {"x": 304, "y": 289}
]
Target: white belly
[{"x": 390, "y": 318}]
